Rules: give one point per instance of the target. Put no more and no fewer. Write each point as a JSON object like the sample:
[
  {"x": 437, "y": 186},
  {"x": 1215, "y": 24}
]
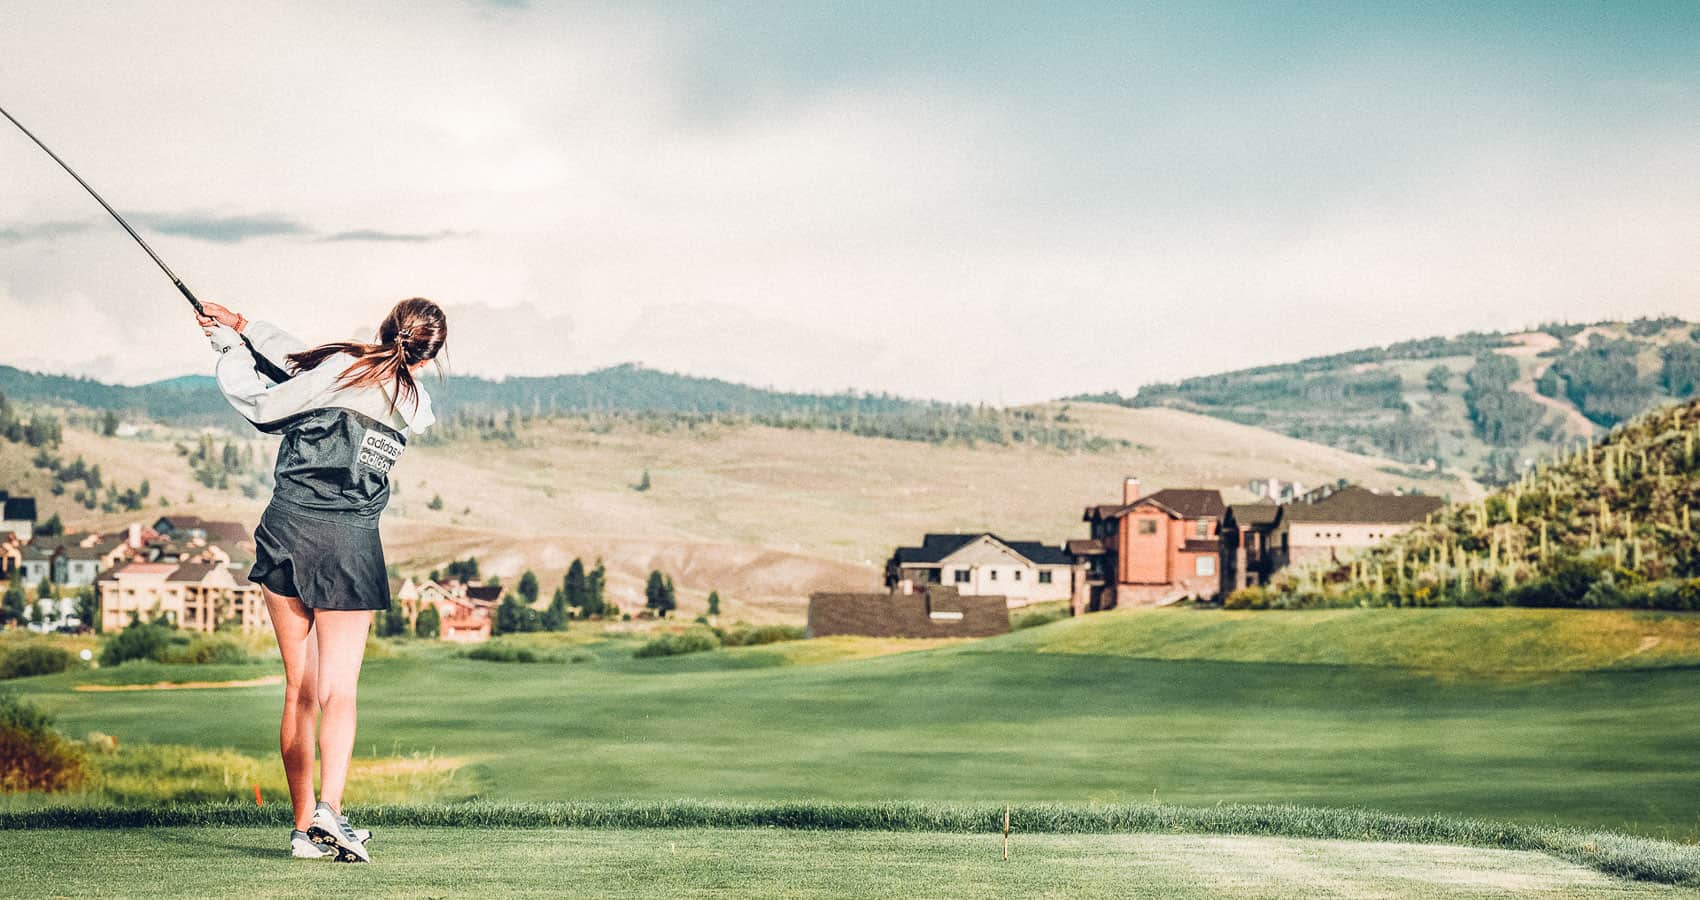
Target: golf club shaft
[{"x": 177, "y": 282}]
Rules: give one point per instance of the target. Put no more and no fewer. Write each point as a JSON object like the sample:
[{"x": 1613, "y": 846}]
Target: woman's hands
[{"x": 219, "y": 315}]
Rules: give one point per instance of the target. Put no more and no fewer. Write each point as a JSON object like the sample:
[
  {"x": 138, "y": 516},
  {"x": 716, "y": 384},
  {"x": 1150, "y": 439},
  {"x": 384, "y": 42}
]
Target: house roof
[
  {"x": 1197, "y": 545},
  {"x": 1184, "y": 503},
  {"x": 1255, "y": 513},
  {"x": 74, "y": 551},
  {"x": 194, "y": 572},
  {"x": 1357, "y": 504},
  {"x": 225, "y": 532},
  {"x": 937, "y": 612},
  {"x": 1084, "y": 548},
  {"x": 935, "y": 547},
  {"x": 487, "y": 593},
  {"x": 138, "y": 568},
  {"x": 17, "y": 509}
]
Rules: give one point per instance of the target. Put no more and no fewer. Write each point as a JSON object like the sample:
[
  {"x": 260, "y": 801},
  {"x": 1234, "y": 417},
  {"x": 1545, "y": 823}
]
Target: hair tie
[{"x": 404, "y": 334}]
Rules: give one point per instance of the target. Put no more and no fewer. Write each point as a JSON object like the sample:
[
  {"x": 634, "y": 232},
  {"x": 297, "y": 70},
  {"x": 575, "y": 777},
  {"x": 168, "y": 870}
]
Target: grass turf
[
  {"x": 1615, "y": 854},
  {"x": 436, "y": 862},
  {"x": 1013, "y": 719}
]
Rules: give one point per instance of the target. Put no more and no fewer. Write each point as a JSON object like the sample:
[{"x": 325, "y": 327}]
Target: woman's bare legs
[
  {"x": 342, "y": 646},
  {"x": 293, "y": 624}
]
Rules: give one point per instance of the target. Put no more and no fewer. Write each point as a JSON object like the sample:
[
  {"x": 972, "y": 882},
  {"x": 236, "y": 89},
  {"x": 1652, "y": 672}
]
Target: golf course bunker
[
  {"x": 182, "y": 685},
  {"x": 769, "y": 862}
]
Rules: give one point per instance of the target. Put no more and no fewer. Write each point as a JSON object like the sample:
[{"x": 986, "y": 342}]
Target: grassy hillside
[
  {"x": 1602, "y": 525},
  {"x": 1074, "y": 712},
  {"x": 1448, "y": 643},
  {"x": 1478, "y": 403},
  {"x": 762, "y": 514}
]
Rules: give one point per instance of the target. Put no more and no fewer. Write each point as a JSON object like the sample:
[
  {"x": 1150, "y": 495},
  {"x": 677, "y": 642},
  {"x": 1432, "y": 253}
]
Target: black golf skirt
[{"x": 329, "y": 563}]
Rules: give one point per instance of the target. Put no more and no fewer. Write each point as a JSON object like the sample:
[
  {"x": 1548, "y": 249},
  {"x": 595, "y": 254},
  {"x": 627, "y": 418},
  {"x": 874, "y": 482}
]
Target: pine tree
[
  {"x": 528, "y": 587},
  {"x": 714, "y": 603},
  {"x": 556, "y": 616},
  {"x": 658, "y": 594},
  {"x": 596, "y": 590},
  {"x": 428, "y": 624},
  {"x": 575, "y": 589}
]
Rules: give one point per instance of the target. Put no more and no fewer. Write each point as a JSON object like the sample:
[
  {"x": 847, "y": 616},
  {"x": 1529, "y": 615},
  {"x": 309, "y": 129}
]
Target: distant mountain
[
  {"x": 194, "y": 399},
  {"x": 1483, "y": 403}
]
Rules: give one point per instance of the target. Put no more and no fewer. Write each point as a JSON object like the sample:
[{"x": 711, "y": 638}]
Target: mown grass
[
  {"x": 1449, "y": 641},
  {"x": 787, "y": 863},
  {"x": 1620, "y": 855},
  {"x": 1615, "y": 749}
]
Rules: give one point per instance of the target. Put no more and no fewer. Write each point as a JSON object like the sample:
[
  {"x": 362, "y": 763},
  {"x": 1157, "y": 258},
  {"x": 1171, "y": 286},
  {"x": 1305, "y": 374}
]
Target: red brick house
[
  {"x": 1150, "y": 549},
  {"x": 466, "y": 612}
]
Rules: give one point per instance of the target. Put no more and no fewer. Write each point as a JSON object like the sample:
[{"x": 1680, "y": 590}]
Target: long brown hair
[{"x": 413, "y": 332}]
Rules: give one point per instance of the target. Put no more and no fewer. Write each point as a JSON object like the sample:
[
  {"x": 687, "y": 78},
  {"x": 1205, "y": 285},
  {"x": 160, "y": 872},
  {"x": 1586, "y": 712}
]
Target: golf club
[{"x": 266, "y": 367}]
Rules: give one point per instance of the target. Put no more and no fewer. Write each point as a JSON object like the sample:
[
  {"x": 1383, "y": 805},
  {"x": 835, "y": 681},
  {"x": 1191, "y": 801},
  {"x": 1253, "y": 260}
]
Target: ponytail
[{"x": 413, "y": 332}]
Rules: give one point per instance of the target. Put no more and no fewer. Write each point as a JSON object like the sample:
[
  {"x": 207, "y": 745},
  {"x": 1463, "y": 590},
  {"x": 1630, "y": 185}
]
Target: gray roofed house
[
  {"x": 17, "y": 515},
  {"x": 981, "y": 563}
]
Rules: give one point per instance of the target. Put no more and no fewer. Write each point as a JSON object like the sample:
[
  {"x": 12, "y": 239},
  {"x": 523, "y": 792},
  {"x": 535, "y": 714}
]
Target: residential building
[
  {"x": 17, "y": 516},
  {"x": 466, "y": 612},
  {"x": 193, "y": 596},
  {"x": 35, "y": 563},
  {"x": 1346, "y": 521},
  {"x": 1330, "y": 524},
  {"x": 1150, "y": 549},
  {"x": 936, "y": 610},
  {"x": 1245, "y": 541},
  {"x": 978, "y": 564},
  {"x": 11, "y": 555}
]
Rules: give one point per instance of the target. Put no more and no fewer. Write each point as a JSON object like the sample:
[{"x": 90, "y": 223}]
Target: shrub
[
  {"x": 746, "y": 636},
  {"x": 203, "y": 651},
  {"x": 695, "y": 640},
  {"x": 138, "y": 640},
  {"x": 34, "y": 757},
  {"x": 496, "y": 651},
  {"x": 428, "y": 624},
  {"x": 35, "y": 659}
]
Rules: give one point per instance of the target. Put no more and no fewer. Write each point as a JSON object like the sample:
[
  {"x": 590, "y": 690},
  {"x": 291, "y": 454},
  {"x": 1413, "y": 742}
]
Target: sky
[{"x": 982, "y": 202}]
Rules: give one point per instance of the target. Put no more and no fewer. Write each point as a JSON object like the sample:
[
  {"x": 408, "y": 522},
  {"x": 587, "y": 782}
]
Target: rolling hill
[
  {"x": 1482, "y": 403},
  {"x": 761, "y": 513}
]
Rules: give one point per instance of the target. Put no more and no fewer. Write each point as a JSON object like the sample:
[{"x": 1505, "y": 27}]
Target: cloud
[
  {"x": 395, "y": 237},
  {"x": 223, "y": 229},
  {"x": 41, "y": 231}
]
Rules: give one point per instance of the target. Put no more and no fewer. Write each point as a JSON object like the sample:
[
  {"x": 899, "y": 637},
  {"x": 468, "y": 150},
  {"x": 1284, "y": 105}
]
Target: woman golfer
[{"x": 344, "y": 412}]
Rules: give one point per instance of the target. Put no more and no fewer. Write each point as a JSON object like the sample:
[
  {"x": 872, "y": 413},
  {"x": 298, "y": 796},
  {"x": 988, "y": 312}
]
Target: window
[
  {"x": 1206, "y": 565},
  {"x": 1017, "y": 575},
  {"x": 961, "y": 576},
  {"x": 1147, "y": 526},
  {"x": 1044, "y": 576},
  {"x": 993, "y": 574},
  {"x": 1203, "y": 528}
]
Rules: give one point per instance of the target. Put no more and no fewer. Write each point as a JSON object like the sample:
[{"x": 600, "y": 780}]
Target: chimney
[
  {"x": 135, "y": 538},
  {"x": 1130, "y": 490}
]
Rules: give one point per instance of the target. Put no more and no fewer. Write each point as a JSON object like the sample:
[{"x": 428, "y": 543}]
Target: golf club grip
[{"x": 189, "y": 296}]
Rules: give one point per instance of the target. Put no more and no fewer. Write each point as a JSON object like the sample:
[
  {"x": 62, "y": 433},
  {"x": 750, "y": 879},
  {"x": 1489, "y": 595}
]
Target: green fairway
[
  {"x": 435, "y": 862},
  {"x": 1008, "y": 719}
]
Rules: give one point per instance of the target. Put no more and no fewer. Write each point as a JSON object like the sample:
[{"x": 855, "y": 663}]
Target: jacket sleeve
[
  {"x": 272, "y": 342},
  {"x": 249, "y": 394}
]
